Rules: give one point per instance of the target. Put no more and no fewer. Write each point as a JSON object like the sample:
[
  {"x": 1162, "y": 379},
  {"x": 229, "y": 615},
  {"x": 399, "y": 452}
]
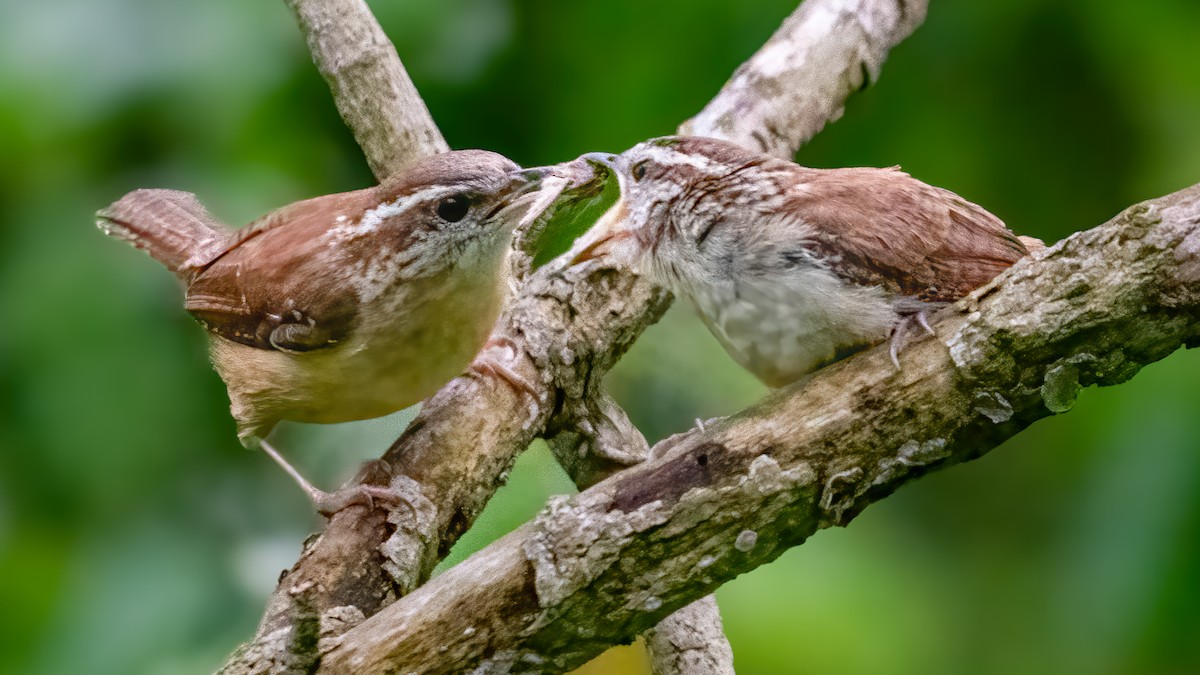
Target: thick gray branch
[
  {"x": 601, "y": 567},
  {"x": 373, "y": 92},
  {"x": 800, "y": 79}
]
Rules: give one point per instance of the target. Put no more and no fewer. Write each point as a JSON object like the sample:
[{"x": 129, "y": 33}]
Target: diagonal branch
[
  {"x": 563, "y": 333},
  {"x": 802, "y": 76},
  {"x": 373, "y": 92},
  {"x": 601, "y": 567}
]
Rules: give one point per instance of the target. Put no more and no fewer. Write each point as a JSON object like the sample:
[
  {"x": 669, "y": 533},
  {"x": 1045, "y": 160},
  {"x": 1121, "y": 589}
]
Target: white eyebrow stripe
[
  {"x": 666, "y": 156},
  {"x": 347, "y": 231}
]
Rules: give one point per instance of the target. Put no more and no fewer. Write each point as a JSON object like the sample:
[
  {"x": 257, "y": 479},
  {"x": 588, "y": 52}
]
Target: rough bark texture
[
  {"x": 692, "y": 641},
  {"x": 600, "y": 441},
  {"x": 603, "y": 566},
  {"x": 565, "y": 330},
  {"x": 373, "y": 92},
  {"x": 801, "y": 77}
]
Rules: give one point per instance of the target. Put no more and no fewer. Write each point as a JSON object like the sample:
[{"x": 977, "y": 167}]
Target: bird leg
[
  {"x": 329, "y": 503},
  {"x": 904, "y": 330},
  {"x": 486, "y": 363}
]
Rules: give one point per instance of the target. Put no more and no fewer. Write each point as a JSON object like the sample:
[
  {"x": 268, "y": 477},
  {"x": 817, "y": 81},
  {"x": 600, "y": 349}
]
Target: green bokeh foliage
[{"x": 137, "y": 537}]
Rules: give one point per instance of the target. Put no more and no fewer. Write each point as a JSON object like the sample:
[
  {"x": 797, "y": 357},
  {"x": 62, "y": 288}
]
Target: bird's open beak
[
  {"x": 608, "y": 237},
  {"x": 598, "y": 246},
  {"x": 541, "y": 190},
  {"x": 610, "y": 234},
  {"x": 580, "y": 178},
  {"x": 525, "y": 181},
  {"x": 604, "y": 159},
  {"x": 524, "y": 196}
]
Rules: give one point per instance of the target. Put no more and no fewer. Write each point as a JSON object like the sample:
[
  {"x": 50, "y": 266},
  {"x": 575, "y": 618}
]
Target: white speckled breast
[{"x": 785, "y": 326}]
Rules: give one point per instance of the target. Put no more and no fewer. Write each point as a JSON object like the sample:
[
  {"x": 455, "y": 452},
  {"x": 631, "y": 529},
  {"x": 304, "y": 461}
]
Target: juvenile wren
[
  {"x": 346, "y": 306},
  {"x": 792, "y": 268}
]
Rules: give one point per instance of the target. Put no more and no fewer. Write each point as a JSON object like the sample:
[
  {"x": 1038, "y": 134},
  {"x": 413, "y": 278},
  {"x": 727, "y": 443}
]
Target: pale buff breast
[{"x": 399, "y": 355}]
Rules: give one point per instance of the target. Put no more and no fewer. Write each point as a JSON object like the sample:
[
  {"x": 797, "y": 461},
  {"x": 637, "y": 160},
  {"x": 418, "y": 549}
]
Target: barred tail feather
[{"x": 172, "y": 226}]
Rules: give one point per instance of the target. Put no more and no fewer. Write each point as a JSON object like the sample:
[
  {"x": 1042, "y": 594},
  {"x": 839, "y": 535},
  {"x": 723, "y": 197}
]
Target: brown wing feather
[
  {"x": 271, "y": 288},
  {"x": 892, "y": 230}
]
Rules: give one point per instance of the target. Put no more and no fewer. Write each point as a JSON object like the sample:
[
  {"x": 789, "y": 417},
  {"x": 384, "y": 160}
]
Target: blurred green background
[{"x": 136, "y": 536}]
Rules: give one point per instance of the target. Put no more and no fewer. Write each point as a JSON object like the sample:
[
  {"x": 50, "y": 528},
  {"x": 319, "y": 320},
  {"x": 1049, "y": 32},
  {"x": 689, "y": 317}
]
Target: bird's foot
[
  {"x": 493, "y": 360},
  {"x": 904, "y": 330},
  {"x": 329, "y": 503}
]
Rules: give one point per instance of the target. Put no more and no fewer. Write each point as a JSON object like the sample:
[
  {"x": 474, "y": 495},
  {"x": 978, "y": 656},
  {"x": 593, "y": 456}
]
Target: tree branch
[
  {"x": 373, "y": 92},
  {"x": 802, "y": 76},
  {"x": 691, "y": 641},
  {"x": 601, "y": 567},
  {"x": 600, "y": 441},
  {"x": 564, "y": 331}
]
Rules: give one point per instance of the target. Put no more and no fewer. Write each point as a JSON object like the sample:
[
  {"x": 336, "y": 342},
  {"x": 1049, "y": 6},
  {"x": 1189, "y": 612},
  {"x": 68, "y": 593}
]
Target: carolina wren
[
  {"x": 792, "y": 268},
  {"x": 346, "y": 306}
]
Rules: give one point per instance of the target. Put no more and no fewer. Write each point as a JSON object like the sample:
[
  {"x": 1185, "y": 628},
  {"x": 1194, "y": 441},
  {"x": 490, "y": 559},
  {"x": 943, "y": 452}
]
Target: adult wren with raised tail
[
  {"x": 792, "y": 268},
  {"x": 346, "y": 306}
]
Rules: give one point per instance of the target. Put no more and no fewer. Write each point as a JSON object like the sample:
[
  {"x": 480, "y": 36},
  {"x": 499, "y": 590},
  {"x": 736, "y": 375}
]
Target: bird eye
[
  {"x": 454, "y": 208},
  {"x": 639, "y": 170}
]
